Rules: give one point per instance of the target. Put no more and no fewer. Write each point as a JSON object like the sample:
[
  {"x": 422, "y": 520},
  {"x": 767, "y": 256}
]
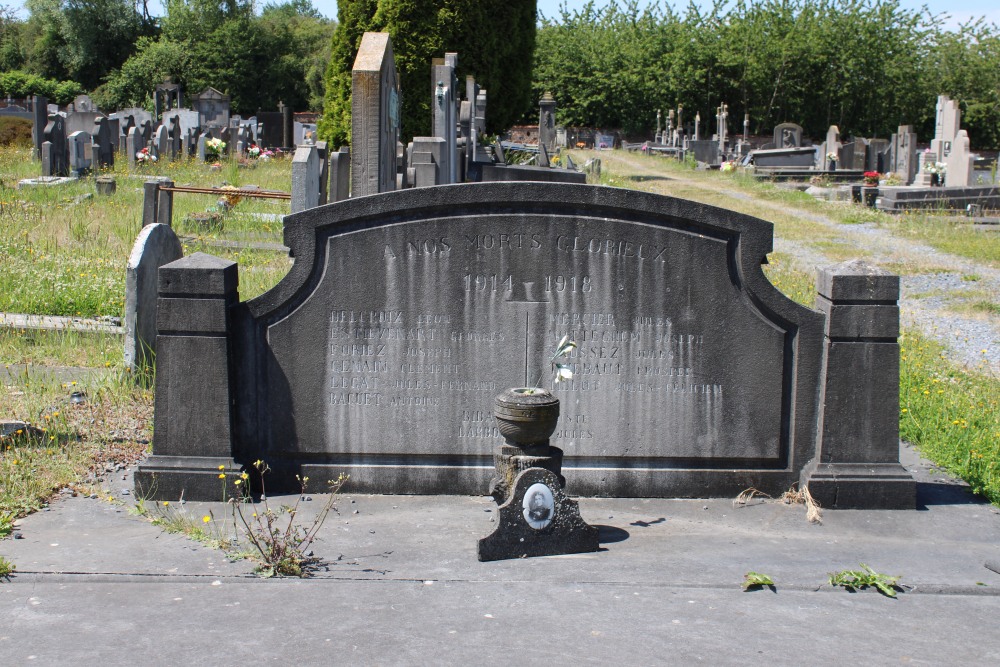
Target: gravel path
[{"x": 927, "y": 299}]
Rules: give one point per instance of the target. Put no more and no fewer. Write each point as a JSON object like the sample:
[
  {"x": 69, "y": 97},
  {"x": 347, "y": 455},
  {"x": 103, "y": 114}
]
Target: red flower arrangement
[{"x": 871, "y": 177}]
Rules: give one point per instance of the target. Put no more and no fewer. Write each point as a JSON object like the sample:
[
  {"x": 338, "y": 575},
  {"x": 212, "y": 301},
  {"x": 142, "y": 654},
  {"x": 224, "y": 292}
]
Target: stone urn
[{"x": 526, "y": 418}]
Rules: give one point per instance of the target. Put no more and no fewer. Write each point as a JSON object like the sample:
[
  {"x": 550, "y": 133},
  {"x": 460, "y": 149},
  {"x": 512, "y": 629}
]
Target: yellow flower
[
  {"x": 166, "y": 504},
  {"x": 222, "y": 475},
  {"x": 245, "y": 475},
  {"x": 206, "y": 518},
  {"x": 238, "y": 482},
  {"x": 222, "y": 467},
  {"x": 905, "y": 410}
]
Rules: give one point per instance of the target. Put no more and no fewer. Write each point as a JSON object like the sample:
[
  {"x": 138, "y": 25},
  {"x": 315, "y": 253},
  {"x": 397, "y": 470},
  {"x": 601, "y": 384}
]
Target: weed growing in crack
[{"x": 281, "y": 544}]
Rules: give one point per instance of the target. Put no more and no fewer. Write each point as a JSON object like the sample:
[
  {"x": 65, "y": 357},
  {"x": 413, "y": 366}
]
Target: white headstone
[{"x": 959, "y": 163}]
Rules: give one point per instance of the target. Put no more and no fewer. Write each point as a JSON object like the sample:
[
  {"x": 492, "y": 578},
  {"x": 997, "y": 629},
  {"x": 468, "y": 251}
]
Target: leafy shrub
[{"x": 15, "y": 132}]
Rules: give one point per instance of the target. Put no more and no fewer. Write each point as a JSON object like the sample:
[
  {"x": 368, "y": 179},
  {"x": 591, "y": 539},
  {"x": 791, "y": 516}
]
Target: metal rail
[{"x": 259, "y": 194}]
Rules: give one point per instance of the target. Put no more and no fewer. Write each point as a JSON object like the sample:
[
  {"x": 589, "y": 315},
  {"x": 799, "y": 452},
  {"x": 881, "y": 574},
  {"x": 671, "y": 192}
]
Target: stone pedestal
[
  {"x": 193, "y": 438},
  {"x": 106, "y": 185},
  {"x": 858, "y": 455},
  {"x": 536, "y": 518}
]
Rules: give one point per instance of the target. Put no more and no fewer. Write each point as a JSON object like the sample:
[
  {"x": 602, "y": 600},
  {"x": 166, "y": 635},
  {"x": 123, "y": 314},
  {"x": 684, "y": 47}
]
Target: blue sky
[{"x": 959, "y": 10}]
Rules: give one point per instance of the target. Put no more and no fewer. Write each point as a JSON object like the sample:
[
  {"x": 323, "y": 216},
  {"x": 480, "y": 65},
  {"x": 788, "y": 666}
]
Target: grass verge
[
  {"x": 73, "y": 441},
  {"x": 951, "y": 414}
]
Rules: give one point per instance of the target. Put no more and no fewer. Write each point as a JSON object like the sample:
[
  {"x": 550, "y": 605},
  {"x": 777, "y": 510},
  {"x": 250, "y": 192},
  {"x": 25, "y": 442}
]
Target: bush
[{"x": 15, "y": 132}]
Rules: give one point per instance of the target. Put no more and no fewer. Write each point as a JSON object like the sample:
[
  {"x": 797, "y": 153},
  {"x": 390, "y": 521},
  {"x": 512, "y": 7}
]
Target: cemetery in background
[{"x": 417, "y": 298}]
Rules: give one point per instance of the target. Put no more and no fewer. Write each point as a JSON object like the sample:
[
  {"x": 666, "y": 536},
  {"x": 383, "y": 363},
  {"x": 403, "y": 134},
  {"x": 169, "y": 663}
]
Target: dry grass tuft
[{"x": 793, "y": 496}]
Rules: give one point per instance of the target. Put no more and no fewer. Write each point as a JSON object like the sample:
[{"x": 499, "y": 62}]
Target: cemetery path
[
  {"x": 402, "y": 585},
  {"x": 935, "y": 285}
]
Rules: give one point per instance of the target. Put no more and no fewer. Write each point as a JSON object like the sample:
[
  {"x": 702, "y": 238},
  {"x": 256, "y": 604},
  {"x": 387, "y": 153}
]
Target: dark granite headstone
[
  {"x": 404, "y": 314},
  {"x": 270, "y": 129},
  {"x": 55, "y": 134},
  {"x": 105, "y": 141},
  {"x": 39, "y": 109},
  {"x": 787, "y": 135}
]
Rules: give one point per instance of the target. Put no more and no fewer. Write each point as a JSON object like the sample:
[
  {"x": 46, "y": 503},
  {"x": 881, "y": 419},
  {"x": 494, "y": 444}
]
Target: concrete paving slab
[{"x": 402, "y": 586}]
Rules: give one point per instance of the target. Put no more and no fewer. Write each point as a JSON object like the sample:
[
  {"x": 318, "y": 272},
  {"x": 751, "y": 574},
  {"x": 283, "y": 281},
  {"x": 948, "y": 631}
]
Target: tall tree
[
  {"x": 494, "y": 41},
  {"x": 100, "y": 36}
]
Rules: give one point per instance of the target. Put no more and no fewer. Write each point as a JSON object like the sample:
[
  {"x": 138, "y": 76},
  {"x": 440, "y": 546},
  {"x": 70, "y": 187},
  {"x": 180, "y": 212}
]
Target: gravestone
[
  {"x": 904, "y": 153},
  {"x": 925, "y": 176},
  {"x": 167, "y": 96},
  {"x": 831, "y": 145},
  {"x": 959, "y": 162},
  {"x": 161, "y": 142},
  {"x": 145, "y": 132},
  {"x": 375, "y": 106},
  {"x": 125, "y": 124},
  {"x": 138, "y": 115},
  {"x": 56, "y": 163},
  {"x": 305, "y": 178},
  {"x": 78, "y": 152},
  {"x": 104, "y": 144},
  {"x": 547, "y": 121},
  {"x": 946, "y": 125},
  {"x": 133, "y": 144},
  {"x": 443, "y": 105},
  {"x": 212, "y": 107},
  {"x": 877, "y": 154},
  {"x": 270, "y": 129},
  {"x": 202, "y": 146},
  {"x": 428, "y": 158},
  {"x": 787, "y": 135},
  {"x": 287, "y": 125},
  {"x": 340, "y": 174},
  {"x": 175, "y": 138},
  {"x": 156, "y": 245},
  {"x": 858, "y": 154},
  {"x": 39, "y": 110},
  {"x": 704, "y": 150},
  {"x": 83, "y": 103},
  {"x": 404, "y": 314},
  {"x": 481, "y": 114},
  {"x": 324, "y": 171},
  {"x": 81, "y": 121}
]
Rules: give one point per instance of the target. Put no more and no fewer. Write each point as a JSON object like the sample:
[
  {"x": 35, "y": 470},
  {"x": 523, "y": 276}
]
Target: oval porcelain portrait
[{"x": 539, "y": 506}]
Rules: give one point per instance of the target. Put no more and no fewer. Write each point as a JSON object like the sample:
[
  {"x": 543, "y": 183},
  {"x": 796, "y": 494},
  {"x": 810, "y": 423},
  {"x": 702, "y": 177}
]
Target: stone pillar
[
  {"x": 150, "y": 202},
  {"x": 194, "y": 395},
  {"x": 547, "y": 122},
  {"x": 857, "y": 465},
  {"x": 40, "y": 110},
  {"x": 444, "y": 85},
  {"x": 375, "y": 105},
  {"x": 165, "y": 203}
]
